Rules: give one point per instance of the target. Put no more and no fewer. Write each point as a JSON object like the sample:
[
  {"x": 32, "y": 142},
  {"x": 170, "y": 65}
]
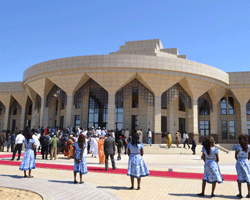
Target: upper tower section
[{"x": 148, "y": 47}]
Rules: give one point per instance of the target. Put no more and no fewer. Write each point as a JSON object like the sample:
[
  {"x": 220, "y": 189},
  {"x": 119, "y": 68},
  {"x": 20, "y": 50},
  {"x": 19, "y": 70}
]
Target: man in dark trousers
[
  {"x": 109, "y": 150},
  {"x": 193, "y": 145},
  {"x": 44, "y": 140},
  {"x": 18, "y": 145},
  {"x": 119, "y": 147}
]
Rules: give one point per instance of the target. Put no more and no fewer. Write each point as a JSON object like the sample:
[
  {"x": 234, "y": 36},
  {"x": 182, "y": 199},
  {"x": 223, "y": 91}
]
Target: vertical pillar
[
  {"x": 6, "y": 116},
  {"x": 69, "y": 121},
  {"x": 195, "y": 118},
  {"x": 172, "y": 117},
  {"x": 111, "y": 112},
  {"x": 157, "y": 124},
  {"x": 22, "y": 117},
  {"x": 243, "y": 116},
  {"x": 213, "y": 119},
  {"x": 43, "y": 113},
  {"x": 33, "y": 116}
]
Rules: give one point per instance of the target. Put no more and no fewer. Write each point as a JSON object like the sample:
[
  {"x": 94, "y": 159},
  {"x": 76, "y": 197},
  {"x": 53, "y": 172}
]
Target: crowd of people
[{"x": 77, "y": 143}]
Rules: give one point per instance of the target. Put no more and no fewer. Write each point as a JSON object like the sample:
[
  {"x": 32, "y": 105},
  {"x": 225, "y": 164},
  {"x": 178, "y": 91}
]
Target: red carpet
[
  {"x": 10, "y": 155},
  {"x": 163, "y": 174}
]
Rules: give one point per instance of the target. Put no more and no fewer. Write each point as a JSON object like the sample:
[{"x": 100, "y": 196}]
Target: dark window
[
  {"x": 135, "y": 98},
  {"x": 78, "y": 100},
  {"x": 77, "y": 121},
  {"x": 15, "y": 111},
  {"x": 119, "y": 109},
  {"x": 56, "y": 107},
  {"x": 30, "y": 110},
  {"x": 134, "y": 123},
  {"x": 181, "y": 105},
  {"x": 230, "y": 106},
  {"x": 204, "y": 108},
  {"x": 248, "y": 107},
  {"x": 231, "y": 130},
  {"x": 204, "y": 127},
  {"x": 224, "y": 129},
  {"x": 1, "y": 111},
  {"x": 248, "y": 127},
  {"x": 223, "y": 106}
]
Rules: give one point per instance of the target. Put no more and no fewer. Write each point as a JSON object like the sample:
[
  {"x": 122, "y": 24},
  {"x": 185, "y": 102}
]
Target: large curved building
[{"x": 142, "y": 85}]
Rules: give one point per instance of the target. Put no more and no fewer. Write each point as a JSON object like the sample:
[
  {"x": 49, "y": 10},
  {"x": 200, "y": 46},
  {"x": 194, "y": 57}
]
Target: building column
[
  {"x": 195, "y": 119},
  {"x": 172, "y": 119},
  {"x": 33, "y": 116},
  {"x": 157, "y": 121},
  {"x": 22, "y": 123},
  {"x": 111, "y": 112},
  {"x": 6, "y": 116},
  {"x": 243, "y": 117},
  {"x": 70, "y": 99},
  {"x": 43, "y": 113},
  {"x": 213, "y": 119}
]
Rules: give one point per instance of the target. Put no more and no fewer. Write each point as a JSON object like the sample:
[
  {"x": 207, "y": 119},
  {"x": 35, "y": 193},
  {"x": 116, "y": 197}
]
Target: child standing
[
  {"x": 211, "y": 168},
  {"x": 80, "y": 164},
  {"x": 242, "y": 153}
]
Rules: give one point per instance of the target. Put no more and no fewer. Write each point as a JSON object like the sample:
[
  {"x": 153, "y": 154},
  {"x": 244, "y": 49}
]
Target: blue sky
[{"x": 213, "y": 32}]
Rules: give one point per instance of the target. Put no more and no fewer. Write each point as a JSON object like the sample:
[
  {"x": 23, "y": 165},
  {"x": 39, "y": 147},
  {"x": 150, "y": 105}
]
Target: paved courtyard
[{"x": 57, "y": 184}]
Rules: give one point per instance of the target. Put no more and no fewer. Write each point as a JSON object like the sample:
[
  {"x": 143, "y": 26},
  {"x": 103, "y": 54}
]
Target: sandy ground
[{"x": 9, "y": 194}]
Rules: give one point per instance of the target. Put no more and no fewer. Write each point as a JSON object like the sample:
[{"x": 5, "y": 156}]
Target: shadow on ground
[
  {"x": 206, "y": 196},
  {"x": 12, "y": 176},
  {"x": 56, "y": 181},
  {"x": 113, "y": 187}
]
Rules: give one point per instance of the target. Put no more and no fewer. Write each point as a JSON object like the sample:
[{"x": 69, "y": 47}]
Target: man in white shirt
[
  {"x": 18, "y": 145},
  {"x": 149, "y": 134},
  {"x": 185, "y": 138}
]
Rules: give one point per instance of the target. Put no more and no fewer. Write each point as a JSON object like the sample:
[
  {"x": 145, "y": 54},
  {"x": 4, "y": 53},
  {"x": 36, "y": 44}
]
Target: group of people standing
[
  {"x": 212, "y": 174},
  {"x": 136, "y": 166}
]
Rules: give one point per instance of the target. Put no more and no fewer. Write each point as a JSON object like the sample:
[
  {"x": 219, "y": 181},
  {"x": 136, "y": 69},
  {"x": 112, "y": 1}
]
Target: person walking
[
  {"x": 12, "y": 141},
  {"x": 2, "y": 140},
  {"x": 193, "y": 145},
  {"x": 185, "y": 138},
  {"x": 101, "y": 150},
  {"x": 80, "y": 165},
  {"x": 211, "y": 168},
  {"x": 8, "y": 141},
  {"x": 18, "y": 145},
  {"x": 177, "y": 139},
  {"x": 119, "y": 147},
  {"x": 169, "y": 140},
  {"x": 136, "y": 165},
  {"x": 149, "y": 136},
  {"x": 109, "y": 151},
  {"x": 242, "y": 153},
  {"x": 125, "y": 144},
  {"x": 28, "y": 161},
  {"x": 54, "y": 143}
]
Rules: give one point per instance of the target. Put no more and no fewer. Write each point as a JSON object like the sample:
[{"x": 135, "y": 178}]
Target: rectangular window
[
  {"x": 230, "y": 106},
  {"x": 204, "y": 127},
  {"x": 77, "y": 121},
  {"x": 15, "y": 111},
  {"x": 223, "y": 106},
  {"x": 56, "y": 107},
  {"x": 181, "y": 105},
  {"x": 119, "y": 118},
  {"x": 135, "y": 98},
  {"x": 0, "y": 111},
  {"x": 30, "y": 110},
  {"x": 224, "y": 129},
  {"x": 231, "y": 130},
  {"x": 248, "y": 127}
]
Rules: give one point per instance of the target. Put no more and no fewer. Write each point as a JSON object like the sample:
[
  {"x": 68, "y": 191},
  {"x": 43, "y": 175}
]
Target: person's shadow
[
  {"x": 12, "y": 176},
  {"x": 206, "y": 196},
  {"x": 113, "y": 187},
  {"x": 57, "y": 181}
]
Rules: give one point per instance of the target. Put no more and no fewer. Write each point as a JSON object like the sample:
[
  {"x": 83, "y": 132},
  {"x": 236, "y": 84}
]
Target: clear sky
[{"x": 213, "y": 32}]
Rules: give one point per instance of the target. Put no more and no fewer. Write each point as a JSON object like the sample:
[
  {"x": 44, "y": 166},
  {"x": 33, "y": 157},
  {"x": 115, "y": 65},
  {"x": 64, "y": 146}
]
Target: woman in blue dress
[
  {"x": 211, "y": 168},
  {"x": 242, "y": 153},
  {"x": 80, "y": 164},
  {"x": 28, "y": 161},
  {"x": 136, "y": 165}
]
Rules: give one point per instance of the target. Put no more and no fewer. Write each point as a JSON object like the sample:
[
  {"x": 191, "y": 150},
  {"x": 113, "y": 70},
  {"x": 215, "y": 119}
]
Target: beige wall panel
[
  {"x": 41, "y": 86},
  {"x": 112, "y": 81},
  {"x": 159, "y": 83},
  {"x": 67, "y": 83}
]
